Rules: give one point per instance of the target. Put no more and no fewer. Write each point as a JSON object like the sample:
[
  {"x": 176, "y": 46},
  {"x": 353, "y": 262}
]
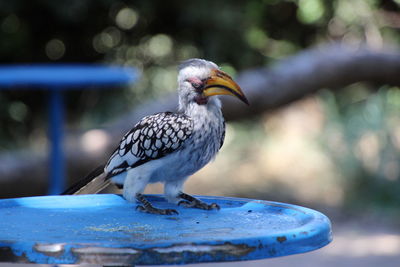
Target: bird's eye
[
  {"x": 197, "y": 86},
  {"x": 196, "y": 83}
]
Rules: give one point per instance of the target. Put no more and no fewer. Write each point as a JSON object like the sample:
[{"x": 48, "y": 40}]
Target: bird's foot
[
  {"x": 199, "y": 205},
  {"x": 147, "y": 207},
  {"x": 192, "y": 202},
  {"x": 153, "y": 210}
]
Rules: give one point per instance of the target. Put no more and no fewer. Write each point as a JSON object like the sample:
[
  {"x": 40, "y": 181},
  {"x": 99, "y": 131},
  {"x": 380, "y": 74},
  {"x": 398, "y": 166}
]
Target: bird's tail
[{"x": 93, "y": 183}]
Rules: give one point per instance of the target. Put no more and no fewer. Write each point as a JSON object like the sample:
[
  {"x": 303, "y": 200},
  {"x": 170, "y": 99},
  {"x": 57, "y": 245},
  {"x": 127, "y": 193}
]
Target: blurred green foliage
[
  {"x": 362, "y": 136},
  {"x": 155, "y": 35}
]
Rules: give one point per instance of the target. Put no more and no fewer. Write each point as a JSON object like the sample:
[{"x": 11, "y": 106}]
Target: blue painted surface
[
  {"x": 64, "y": 76},
  {"x": 57, "y": 78},
  {"x": 105, "y": 229}
]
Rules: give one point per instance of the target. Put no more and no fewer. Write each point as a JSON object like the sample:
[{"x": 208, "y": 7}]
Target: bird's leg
[
  {"x": 192, "y": 202},
  {"x": 147, "y": 207}
]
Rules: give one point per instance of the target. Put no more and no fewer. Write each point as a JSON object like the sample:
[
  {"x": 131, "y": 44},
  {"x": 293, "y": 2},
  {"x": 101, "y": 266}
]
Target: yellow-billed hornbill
[{"x": 169, "y": 147}]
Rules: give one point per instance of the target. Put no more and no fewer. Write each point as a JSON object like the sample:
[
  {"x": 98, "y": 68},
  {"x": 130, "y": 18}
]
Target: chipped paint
[
  {"x": 105, "y": 255},
  {"x": 104, "y": 250},
  {"x": 52, "y": 250},
  {"x": 237, "y": 250}
]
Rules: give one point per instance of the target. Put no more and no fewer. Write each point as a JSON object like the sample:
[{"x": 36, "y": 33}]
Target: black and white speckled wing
[{"x": 151, "y": 138}]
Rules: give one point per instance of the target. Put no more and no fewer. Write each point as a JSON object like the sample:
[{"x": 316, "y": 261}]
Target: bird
[{"x": 169, "y": 147}]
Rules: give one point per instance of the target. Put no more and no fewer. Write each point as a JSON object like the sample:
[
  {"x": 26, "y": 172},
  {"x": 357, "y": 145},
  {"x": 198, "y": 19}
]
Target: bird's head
[{"x": 200, "y": 81}]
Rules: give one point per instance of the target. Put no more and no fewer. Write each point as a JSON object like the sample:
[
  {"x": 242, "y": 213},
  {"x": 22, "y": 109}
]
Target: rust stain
[
  {"x": 281, "y": 239},
  {"x": 8, "y": 255}
]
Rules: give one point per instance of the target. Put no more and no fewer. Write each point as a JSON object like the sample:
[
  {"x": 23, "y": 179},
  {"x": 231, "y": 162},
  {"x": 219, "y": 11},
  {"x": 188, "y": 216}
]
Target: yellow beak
[{"x": 221, "y": 83}]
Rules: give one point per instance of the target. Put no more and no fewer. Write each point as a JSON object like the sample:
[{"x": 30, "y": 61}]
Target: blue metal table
[
  {"x": 107, "y": 230},
  {"x": 57, "y": 78}
]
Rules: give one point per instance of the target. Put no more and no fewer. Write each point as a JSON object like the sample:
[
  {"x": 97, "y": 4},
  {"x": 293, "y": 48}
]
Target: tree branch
[{"x": 330, "y": 67}]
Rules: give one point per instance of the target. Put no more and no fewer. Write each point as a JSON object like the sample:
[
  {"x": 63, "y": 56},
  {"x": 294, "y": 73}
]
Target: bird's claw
[
  {"x": 186, "y": 204},
  {"x": 214, "y": 206},
  {"x": 153, "y": 210},
  {"x": 199, "y": 205}
]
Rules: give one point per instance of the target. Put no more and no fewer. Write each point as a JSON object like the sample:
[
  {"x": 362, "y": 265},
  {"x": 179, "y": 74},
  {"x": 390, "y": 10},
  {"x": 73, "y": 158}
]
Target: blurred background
[{"x": 336, "y": 150}]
